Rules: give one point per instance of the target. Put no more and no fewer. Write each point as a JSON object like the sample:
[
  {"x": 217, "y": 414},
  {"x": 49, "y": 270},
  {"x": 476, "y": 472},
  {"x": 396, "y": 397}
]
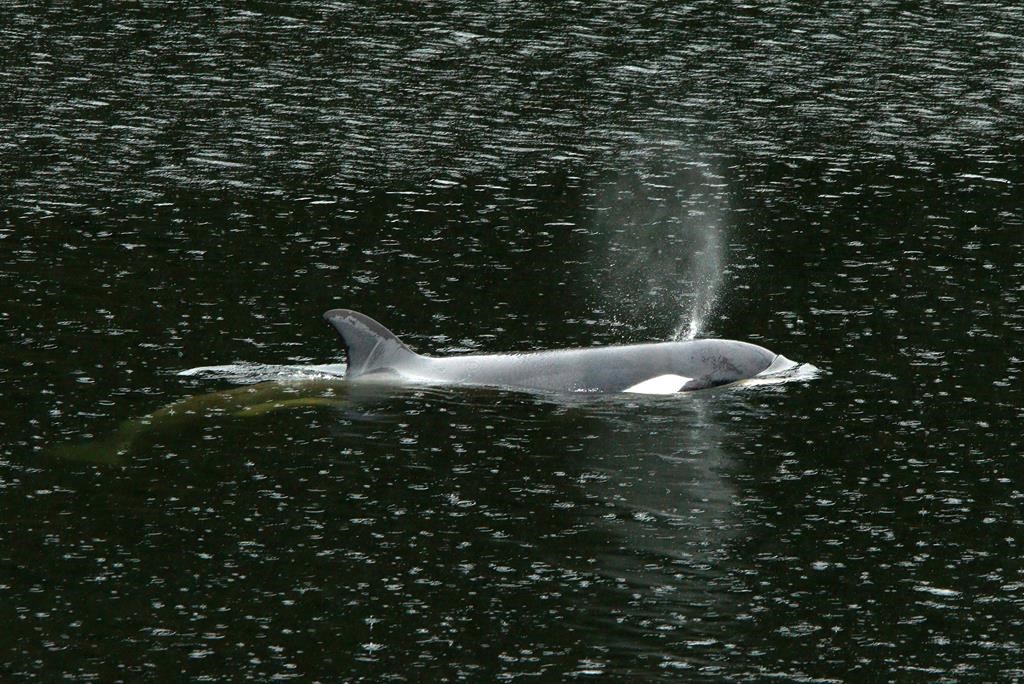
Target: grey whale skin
[{"x": 374, "y": 352}]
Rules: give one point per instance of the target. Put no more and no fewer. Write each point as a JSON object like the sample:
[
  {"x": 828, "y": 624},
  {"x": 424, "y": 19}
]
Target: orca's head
[{"x": 720, "y": 362}]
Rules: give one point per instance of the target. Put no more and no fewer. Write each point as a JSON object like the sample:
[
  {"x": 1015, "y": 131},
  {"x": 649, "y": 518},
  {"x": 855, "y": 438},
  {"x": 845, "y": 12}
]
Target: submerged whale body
[{"x": 375, "y": 353}]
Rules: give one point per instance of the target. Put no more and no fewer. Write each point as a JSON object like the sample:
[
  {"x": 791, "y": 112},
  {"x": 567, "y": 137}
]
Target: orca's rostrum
[{"x": 374, "y": 352}]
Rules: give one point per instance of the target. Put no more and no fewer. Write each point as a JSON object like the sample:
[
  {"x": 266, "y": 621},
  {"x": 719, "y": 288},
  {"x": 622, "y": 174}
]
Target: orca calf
[{"x": 375, "y": 353}]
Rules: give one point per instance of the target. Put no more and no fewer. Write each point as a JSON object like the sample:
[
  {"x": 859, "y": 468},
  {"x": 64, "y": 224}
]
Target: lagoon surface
[{"x": 192, "y": 187}]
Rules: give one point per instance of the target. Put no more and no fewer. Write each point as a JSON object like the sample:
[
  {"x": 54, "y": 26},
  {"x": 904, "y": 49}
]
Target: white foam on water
[{"x": 781, "y": 371}]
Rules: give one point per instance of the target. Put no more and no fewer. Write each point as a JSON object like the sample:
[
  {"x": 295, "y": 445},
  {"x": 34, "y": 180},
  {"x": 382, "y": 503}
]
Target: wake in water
[{"x": 245, "y": 373}]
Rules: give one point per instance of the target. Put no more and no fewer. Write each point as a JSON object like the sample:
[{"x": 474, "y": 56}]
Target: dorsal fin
[{"x": 369, "y": 345}]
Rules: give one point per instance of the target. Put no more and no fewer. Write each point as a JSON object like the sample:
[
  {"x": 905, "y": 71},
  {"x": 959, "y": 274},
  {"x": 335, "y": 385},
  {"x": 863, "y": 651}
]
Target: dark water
[{"x": 189, "y": 187}]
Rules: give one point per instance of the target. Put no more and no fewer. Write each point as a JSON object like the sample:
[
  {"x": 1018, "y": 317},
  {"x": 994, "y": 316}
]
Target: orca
[{"x": 376, "y": 354}]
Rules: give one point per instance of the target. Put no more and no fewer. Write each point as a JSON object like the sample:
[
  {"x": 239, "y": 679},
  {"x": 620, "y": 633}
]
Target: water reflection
[
  {"x": 659, "y": 487},
  {"x": 491, "y": 491}
]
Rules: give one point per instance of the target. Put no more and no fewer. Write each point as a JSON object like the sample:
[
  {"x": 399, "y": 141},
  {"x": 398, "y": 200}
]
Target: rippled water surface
[{"x": 192, "y": 187}]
